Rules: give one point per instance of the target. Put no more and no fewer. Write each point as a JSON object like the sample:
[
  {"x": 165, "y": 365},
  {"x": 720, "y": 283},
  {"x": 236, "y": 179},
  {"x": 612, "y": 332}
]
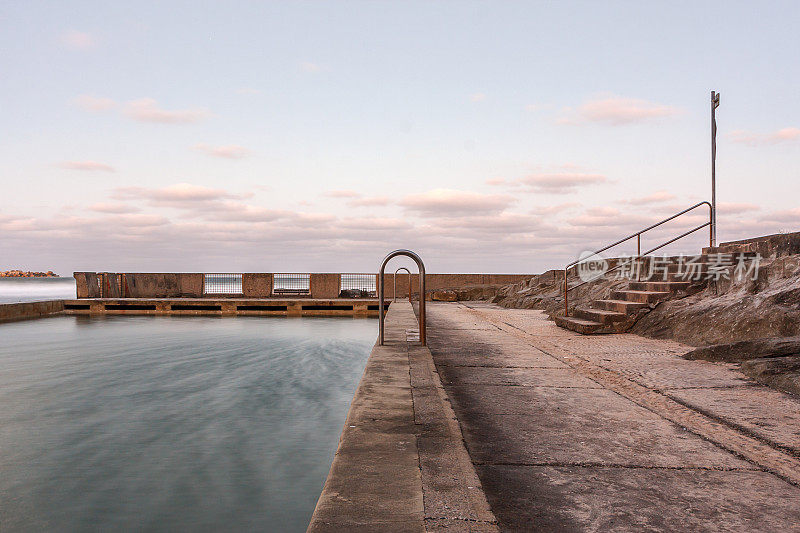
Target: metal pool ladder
[
  {"x": 421, "y": 267},
  {"x": 394, "y": 294}
]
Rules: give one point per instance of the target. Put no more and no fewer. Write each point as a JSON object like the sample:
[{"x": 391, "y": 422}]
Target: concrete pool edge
[
  {"x": 210, "y": 306},
  {"x": 27, "y": 310},
  {"x": 401, "y": 463}
]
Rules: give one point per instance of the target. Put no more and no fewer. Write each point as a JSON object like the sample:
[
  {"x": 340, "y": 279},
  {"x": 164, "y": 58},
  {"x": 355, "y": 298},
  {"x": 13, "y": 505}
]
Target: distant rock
[
  {"x": 27, "y": 274},
  {"x": 444, "y": 296}
]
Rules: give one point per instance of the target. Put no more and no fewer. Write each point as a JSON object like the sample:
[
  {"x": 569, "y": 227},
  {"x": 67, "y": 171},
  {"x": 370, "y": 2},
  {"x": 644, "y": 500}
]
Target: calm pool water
[{"x": 172, "y": 423}]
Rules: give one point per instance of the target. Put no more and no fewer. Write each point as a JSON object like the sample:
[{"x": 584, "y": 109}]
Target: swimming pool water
[{"x": 172, "y": 423}]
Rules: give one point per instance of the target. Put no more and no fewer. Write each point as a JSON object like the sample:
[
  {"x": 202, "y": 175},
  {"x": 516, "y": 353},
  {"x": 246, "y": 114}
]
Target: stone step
[
  {"x": 584, "y": 327},
  {"x": 659, "y": 286},
  {"x": 650, "y": 297},
  {"x": 599, "y": 315},
  {"x": 620, "y": 306},
  {"x": 675, "y": 267}
]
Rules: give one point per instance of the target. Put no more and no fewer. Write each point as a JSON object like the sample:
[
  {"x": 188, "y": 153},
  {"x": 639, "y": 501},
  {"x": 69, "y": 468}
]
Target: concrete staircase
[{"x": 619, "y": 311}]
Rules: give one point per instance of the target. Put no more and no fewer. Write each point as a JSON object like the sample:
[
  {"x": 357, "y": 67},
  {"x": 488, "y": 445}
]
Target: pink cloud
[
  {"x": 608, "y": 217},
  {"x": 91, "y": 166},
  {"x": 655, "y": 198},
  {"x": 311, "y": 68},
  {"x": 94, "y": 103},
  {"x": 448, "y": 202},
  {"x": 369, "y": 201},
  {"x": 232, "y": 151},
  {"x": 755, "y": 139},
  {"x": 560, "y": 183},
  {"x": 617, "y": 111},
  {"x": 477, "y": 97},
  {"x": 147, "y": 110},
  {"x": 553, "y": 209},
  {"x": 735, "y": 209},
  {"x": 785, "y": 216},
  {"x": 342, "y": 194},
  {"x": 180, "y": 193},
  {"x": 77, "y": 40},
  {"x": 374, "y": 223},
  {"x": 113, "y": 208}
]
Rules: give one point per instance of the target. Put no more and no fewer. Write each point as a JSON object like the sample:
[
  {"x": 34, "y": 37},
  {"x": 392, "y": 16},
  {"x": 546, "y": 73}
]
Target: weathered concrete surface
[
  {"x": 26, "y": 310},
  {"x": 257, "y": 285},
  {"x": 324, "y": 285},
  {"x": 401, "y": 464},
  {"x": 575, "y": 433}
]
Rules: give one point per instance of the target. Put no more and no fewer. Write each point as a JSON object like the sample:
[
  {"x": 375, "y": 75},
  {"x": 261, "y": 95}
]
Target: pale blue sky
[{"x": 209, "y": 136}]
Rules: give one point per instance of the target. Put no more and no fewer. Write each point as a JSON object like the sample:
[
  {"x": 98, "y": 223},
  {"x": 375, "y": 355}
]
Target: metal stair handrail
[{"x": 639, "y": 253}]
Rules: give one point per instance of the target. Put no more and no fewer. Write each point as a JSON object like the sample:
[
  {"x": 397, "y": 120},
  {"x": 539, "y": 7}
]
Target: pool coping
[
  {"x": 401, "y": 463},
  {"x": 13, "y": 311}
]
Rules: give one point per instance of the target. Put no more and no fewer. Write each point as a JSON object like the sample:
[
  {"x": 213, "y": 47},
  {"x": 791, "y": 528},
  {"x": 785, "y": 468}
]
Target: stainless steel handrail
[
  {"x": 394, "y": 294},
  {"x": 639, "y": 253},
  {"x": 421, "y": 267}
]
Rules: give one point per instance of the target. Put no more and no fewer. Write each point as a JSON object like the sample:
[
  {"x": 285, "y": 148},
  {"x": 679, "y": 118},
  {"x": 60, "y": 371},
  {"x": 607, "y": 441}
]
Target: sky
[{"x": 503, "y": 137}]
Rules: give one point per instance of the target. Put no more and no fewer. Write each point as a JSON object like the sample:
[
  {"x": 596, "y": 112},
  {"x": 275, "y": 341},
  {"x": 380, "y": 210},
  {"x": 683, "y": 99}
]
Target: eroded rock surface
[{"x": 737, "y": 352}]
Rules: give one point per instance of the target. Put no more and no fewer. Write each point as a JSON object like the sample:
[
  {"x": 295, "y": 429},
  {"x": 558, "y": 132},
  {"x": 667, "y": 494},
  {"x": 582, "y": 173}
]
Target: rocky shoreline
[{"x": 27, "y": 274}]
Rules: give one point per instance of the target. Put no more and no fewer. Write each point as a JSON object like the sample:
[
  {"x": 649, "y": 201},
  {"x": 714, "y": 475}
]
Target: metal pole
[
  {"x": 638, "y": 257},
  {"x": 714, "y": 106}
]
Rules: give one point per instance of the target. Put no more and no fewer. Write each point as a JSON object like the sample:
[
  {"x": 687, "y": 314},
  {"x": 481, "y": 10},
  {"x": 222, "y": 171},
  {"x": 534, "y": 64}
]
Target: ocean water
[
  {"x": 14, "y": 290},
  {"x": 172, "y": 423}
]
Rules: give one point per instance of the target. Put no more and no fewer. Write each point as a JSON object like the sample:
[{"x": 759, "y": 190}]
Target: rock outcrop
[{"x": 27, "y": 274}]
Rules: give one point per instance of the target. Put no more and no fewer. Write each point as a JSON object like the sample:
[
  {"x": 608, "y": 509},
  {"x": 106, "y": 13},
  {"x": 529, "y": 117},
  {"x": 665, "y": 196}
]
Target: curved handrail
[
  {"x": 639, "y": 253},
  {"x": 421, "y": 267},
  {"x": 394, "y": 278}
]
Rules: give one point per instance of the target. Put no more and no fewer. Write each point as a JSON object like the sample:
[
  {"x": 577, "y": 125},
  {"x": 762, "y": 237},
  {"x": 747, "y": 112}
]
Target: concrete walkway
[
  {"x": 401, "y": 464},
  {"x": 613, "y": 433}
]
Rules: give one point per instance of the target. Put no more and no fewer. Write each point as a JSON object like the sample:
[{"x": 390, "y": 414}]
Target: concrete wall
[
  {"x": 259, "y": 285},
  {"x": 435, "y": 282},
  {"x": 324, "y": 285},
  {"x": 166, "y": 285},
  {"x": 21, "y": 311},
  {"x": 86, "y": 284}
]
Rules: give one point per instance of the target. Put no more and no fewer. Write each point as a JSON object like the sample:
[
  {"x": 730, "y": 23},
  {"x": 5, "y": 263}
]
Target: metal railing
[
  {"x": 294, "y": 284},
  {"x": 359, "y": 285},
  {"x": 421, "y": 267},
  {"x": 226, "y": 283},
  {"x": 639, "y": 253},
  {"x": 394, "y": 294}
]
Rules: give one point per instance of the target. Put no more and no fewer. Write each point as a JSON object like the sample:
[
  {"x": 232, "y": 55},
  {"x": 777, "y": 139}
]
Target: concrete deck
[{"x": 575, "y": 433}]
